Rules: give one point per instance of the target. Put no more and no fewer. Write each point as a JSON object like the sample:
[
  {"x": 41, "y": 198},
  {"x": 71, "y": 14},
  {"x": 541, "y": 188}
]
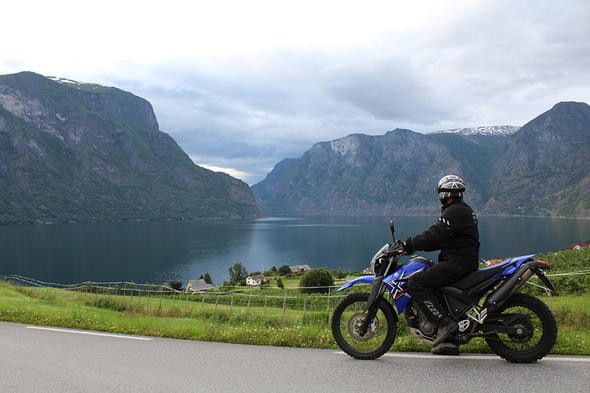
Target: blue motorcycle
[{"x": 518, "y": 327}]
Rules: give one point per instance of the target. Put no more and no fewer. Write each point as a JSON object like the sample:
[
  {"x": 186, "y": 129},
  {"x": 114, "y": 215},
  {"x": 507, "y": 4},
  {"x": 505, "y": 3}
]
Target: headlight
[
  {"x": 373, "y": 266},
  {"x": 374, "y": 261}
]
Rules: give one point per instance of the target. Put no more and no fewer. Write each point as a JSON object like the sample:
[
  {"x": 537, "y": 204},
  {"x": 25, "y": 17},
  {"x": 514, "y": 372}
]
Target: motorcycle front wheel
[
  {"x": 349, "y": 316},
  {"x": 534, "y": 326}
]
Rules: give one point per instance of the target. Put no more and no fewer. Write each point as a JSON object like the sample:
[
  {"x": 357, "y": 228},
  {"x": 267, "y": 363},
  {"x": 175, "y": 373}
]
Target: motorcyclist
[{"x": 456, "y": 235}]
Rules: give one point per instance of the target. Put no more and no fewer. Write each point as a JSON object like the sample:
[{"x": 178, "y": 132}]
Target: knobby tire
[
  {"x": 347, "y": 341},
  {"x": 543, "y": 335}
]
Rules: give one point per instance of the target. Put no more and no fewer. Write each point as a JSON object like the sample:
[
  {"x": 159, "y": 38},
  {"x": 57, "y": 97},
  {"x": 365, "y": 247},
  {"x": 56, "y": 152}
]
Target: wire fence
[
  {"x": 288, "y": 302},
  {"x": 164, "y": 300}
]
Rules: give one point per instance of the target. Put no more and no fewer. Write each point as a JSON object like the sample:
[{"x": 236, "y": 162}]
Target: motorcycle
[{"x": 518, "y": 327}]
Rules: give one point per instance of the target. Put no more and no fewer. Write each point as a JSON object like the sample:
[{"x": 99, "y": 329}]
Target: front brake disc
[{"x": 356, "y": 322}]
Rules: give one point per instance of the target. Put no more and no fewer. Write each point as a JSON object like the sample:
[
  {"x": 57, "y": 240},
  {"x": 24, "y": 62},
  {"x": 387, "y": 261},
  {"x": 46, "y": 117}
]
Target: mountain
[
  {"x": 85, "y": 152},
  {"x": 541, "y": 168},
  {"x": 366, "y": 175},
  {"x": 545, "y": 168}
]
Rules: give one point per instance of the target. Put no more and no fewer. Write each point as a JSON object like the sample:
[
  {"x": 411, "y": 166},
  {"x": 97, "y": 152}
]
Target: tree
[
  {"x": 280, "y": 283},
  {"x": 338, "y": 274},
  {"x": 316, "y": 281},
  {"x": 207, "y": 278},
  {"x": 284, "y": 270},
  {"x": 176, "y": 285},
  {"x": 237, "y": 273}
]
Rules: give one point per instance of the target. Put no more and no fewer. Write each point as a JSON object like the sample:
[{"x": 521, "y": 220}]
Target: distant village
[
  {"x": 200, "y": 285},
  {"x": 260, "y": 279}
]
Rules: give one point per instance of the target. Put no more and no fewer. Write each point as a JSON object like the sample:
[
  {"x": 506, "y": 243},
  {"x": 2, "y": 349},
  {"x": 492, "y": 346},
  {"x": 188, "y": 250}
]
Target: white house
[
  {"x": 255, "y": 280},
  {"x": 578, "y": 246}
]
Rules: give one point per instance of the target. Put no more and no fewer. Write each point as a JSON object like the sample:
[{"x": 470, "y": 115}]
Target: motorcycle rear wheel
[
  {"x": 347, "y": 318},
  {"x": 538, "y": 327}
]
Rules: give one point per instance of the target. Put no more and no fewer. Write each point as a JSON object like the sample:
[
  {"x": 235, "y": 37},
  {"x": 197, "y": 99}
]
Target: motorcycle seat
[{"x": 477, "y": 277}]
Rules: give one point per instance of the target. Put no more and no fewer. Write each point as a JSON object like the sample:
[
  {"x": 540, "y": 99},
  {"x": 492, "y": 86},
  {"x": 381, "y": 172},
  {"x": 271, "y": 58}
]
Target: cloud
[
  {"x": 513, "y": 60},
  {"x": 242, "y": 85},
  {"x": 390, "y": 91},
  {"x": 229, "y": 171}
]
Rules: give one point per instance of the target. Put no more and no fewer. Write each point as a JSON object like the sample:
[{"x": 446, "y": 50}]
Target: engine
[
  {"x": 419, "y": 325},
  {"x": 425, "y": 327}
]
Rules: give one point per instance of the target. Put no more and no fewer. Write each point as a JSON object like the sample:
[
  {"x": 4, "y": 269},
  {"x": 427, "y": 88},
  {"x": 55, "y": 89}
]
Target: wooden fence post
[
  {"x": 186, "y": 302},
  {"x": 284, "y": 302},
  {"x": 304, "y": 308}
]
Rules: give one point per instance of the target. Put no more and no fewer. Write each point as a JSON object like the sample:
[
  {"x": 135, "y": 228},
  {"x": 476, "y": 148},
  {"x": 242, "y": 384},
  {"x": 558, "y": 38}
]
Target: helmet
[{"x": 450, "y": 186}]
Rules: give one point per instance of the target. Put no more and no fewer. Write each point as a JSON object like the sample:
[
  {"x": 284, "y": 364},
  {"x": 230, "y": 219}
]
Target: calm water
[{"x": 160, "y": 251}]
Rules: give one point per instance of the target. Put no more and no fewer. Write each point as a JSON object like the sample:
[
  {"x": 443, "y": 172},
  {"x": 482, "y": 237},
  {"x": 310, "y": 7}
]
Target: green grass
[
  {"x": 174, "y": 318},
  {"x": 190, "y": 318}
]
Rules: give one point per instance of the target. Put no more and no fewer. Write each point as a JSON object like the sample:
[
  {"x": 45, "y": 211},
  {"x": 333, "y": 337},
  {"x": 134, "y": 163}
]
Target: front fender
[{"x": 358, "y": 280}]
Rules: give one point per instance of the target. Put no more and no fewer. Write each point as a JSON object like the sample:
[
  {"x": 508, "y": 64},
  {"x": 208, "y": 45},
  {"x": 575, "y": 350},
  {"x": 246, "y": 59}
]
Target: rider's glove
[
  {"x": 400, "y": 247},
  {"x": 408, "y": 246},
  {"x": 396, "y": 249}
]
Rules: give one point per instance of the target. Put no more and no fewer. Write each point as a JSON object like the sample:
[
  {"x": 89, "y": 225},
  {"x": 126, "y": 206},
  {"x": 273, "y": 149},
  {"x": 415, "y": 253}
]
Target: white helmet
[{"x": 450, "y": 186}]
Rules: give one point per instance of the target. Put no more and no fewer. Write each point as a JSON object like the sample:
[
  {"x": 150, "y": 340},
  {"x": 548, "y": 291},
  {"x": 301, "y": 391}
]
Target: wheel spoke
[
  {"x": 348, "y": 323},
  {"x": 529, "y": 330},
  {"x": 529, "y": 327}
]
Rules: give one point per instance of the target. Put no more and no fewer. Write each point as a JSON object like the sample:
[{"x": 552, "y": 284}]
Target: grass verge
[{"x": 174, "y": 318}]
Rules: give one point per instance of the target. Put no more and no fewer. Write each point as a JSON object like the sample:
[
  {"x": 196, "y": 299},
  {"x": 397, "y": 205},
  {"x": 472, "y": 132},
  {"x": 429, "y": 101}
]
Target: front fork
[{"x": 371, "y": 307}]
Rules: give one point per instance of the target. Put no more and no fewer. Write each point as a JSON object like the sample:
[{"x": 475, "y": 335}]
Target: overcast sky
[{"x": 241, "y": 85}]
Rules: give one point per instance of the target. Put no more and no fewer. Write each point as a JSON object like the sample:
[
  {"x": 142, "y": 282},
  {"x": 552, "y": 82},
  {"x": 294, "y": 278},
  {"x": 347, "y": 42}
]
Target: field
[
  {"x": 189, "y": 317},
  {"x": 265, "y": 316}
]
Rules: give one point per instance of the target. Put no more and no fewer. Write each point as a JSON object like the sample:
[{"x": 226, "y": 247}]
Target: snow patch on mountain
[
  {"x": 484, "y": 130},
  {"x": 63, "y": 80}
]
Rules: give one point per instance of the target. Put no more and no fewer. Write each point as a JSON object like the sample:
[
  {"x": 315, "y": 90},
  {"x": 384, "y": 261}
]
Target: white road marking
[
  {"x": 555, "y": 358},
  {"x": 90, "y": 333}
]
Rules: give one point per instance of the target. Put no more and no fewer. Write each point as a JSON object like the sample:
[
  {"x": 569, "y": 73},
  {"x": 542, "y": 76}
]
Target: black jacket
[{"x": 455, "y": 234}]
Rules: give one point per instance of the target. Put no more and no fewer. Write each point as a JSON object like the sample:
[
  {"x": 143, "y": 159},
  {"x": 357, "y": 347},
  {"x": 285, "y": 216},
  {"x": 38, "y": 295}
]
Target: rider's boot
[
  {"x": 446, "y": 348},
  {"x": 446, "y": 326}
]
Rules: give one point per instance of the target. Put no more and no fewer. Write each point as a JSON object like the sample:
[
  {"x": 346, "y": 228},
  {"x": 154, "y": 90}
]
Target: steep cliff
[
  {"x": 84, "y": 152},
  {"x": 543, "y": 168}
]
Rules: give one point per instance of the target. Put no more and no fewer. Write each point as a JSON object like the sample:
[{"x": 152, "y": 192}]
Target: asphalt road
[{"x": 38, "y": 359}]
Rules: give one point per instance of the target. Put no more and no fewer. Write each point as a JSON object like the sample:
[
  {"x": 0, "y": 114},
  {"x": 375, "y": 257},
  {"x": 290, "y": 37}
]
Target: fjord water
[{"x": 157, "y": 252}]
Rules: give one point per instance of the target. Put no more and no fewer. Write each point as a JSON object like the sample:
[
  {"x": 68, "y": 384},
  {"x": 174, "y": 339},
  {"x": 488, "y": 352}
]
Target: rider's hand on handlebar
[
  {"x": 400, "y": 248},
  {"x": 408, "y": 245},
  {"x": 396, "y": 249}
]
